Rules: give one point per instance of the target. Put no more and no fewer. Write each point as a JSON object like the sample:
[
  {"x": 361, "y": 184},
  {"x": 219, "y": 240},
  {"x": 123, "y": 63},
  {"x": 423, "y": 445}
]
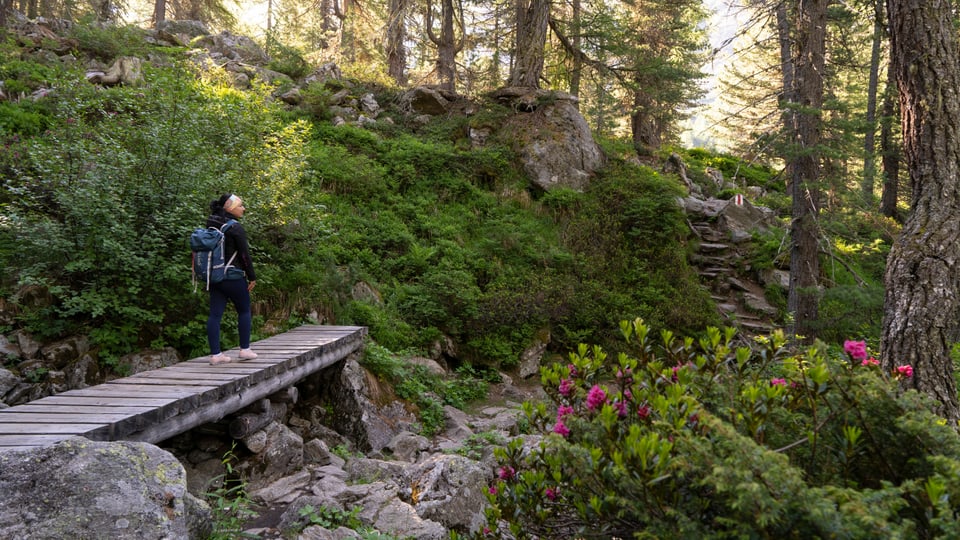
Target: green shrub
[
  {"x": 691, "y": 438},
  {"x": 423, "y": 388},
  {"x": 107, "y": 42},
  {"x": 106, "y": 199},
  {"x": 287, "y": 60},
  {"x": 23, "y": 118}
]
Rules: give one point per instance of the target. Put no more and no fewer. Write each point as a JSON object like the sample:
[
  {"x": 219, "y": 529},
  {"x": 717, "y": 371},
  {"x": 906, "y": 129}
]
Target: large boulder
[
  {"x": 84, "y": 489},
  {"x": 365, "y": 411},
  {"x": 553, "y": 139},
  {"x": 450, "y": 490}
]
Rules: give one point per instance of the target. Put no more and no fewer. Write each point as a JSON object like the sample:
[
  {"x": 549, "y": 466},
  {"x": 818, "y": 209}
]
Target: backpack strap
[{"x": 223, "y": 229}]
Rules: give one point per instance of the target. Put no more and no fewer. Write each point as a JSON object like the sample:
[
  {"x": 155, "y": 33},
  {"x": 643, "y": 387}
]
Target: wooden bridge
[{"x": 153, "y": 406}]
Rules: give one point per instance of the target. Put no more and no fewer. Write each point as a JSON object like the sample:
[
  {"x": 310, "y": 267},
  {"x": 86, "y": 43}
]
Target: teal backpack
[{"x": 206, "y": 243}]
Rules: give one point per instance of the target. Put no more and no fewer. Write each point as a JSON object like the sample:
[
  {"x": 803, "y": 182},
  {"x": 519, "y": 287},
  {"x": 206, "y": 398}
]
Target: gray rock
[
  {"x": 368, "y": 470},
  {"x": 407, "y": 446},
  {"x": 148, "y": 360},
  {"x": 316, "y": 532},
  {"x": 450, "y": 490},
  {"x": 29, "y": 347},
  {"x": 456, "y": 423},
  {"x": 8, "y": 381},
  {"x": 83, "y": 489},
  {"x": 8, "y": 349},
  {"x": 357, "y": 416},
  {"x": 281, "y": 456},
  {"x": 557, "y": 150},
  {"x": 425, "y": 101},
  {"x": 285, "y": 490},
  {"x": 531, "y": 356}
]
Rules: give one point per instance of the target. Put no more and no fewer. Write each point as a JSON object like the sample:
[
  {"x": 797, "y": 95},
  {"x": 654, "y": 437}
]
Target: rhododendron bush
[{"x": 695, "y": 438}]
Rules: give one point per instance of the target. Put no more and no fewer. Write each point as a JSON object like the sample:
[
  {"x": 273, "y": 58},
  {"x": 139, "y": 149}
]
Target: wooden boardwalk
[{"x": 152, "y": 406}]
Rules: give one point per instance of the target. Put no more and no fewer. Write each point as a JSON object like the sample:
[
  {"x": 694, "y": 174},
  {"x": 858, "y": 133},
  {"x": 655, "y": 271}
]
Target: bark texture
[
  {"x": 396, "y": 35},
  {"x": 532, "y": 19},
  {"x": 922, "y": 307},
  {"x": 804, "y": 166}
]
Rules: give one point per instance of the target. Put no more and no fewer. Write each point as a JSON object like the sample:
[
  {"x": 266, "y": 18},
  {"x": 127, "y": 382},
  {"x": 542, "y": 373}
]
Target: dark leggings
[{"x": 236, "y": 291}]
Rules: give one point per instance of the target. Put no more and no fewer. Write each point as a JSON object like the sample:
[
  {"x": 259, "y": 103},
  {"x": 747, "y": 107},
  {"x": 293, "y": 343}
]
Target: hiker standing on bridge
[{"x": 236, "y": 286}]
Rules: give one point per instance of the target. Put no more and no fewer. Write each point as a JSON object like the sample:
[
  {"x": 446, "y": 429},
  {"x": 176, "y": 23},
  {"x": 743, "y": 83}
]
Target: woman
[{"x": 239, "y": 281}]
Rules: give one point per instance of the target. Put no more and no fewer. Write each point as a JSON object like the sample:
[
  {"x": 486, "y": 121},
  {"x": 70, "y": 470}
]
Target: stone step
[{"x": 713, "y": 246}]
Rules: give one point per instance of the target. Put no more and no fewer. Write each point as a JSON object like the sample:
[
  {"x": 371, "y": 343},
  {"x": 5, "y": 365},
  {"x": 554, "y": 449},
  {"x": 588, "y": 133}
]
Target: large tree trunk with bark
[
  {"x": 532, "y": 19},
  {"x": 644, "y": 124},
  {"x": 447, "y": 42},
  {"x": 869, "y": 157},
  {"x": 159, "y": 12},
  {"x": 5, "y": 5},
  {"x": 922, "y": 305},
  {"x": 805, "y": 97},
  {"x": 396, "y": 35},
  {"x": 576, "y": 70}
]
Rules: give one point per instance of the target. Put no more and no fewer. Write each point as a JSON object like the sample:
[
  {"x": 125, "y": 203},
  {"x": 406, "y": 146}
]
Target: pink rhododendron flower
[
  {"x": 644, "y": 411},
  {"x": 552, "y": 493},
  {"x": 596, "y": 397},
  {"x": 564, "y": 410},
  {"x": 905, "y": 371},
  {"x": 870, "y": 362},
  {"x": 856, "y": 349},
  {"x": 778, "y": 382},
  {"x": 573, "y": 370},
  {"x": 506, "y": 472},
  {"x": 566, "y": 386},
  {"x": 561, "y": 429},
  {"x": 492, "y": 490},
  {"x": 621, "y": 408}
]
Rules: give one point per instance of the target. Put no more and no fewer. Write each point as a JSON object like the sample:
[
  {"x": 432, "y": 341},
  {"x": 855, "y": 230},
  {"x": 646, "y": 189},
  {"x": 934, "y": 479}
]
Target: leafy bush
[
  {"x": 691, "y": 438},
  {"x": 286, "y": 59},
  {"x": 106, "y": 42},
  {"x": 230, "y": 505},
  {"x": 101, "y": 205},
  {"x": 427, "y": 390}
]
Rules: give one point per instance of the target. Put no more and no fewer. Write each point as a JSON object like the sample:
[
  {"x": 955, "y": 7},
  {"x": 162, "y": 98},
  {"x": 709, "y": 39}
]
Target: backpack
[{"x": 207, "y": 245}]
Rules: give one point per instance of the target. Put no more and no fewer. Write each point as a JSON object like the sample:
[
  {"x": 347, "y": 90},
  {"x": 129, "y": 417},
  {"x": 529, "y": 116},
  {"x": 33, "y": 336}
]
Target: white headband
[{"x": 232, "y": 202}]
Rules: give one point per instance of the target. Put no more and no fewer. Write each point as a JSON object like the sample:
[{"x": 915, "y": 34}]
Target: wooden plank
[
  {"x": 103, "y": 402},
  {"x": 64, "y": 408},
  {"x": 169, "y": 381},
  {"x": 157, "y": 404},
  {"x": 121, "y": 389},
  {"x": 192, "y": 377},
  {"x": 26, "y": 417},
  {"x": 47, "y": 429}
]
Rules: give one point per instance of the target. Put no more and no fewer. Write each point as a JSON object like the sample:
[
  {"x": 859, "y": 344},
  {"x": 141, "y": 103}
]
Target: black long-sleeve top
[{"x": 235, "y": 242}]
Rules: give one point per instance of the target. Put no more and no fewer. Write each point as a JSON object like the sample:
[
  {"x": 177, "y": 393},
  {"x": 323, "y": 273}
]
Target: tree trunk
[
  {"x": 869, "y": 157},
  {"x": 890, "y": 150},
  {"x": 803, "y": 166},
  {"x": 446, "y": 42},
  {"x": 5, "y": 5},
  {"x": 446, "y": 48},
  {"x": 644, "y": 125},
  {"x": 344, "y": 12},
  {"x": 921, "y": 312},
  {"x": 396, "y": 35},
  {"x": 577, "y": 67},
  {"x": 159, "y": 12},
  {"x": 532, "y": 19}
]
